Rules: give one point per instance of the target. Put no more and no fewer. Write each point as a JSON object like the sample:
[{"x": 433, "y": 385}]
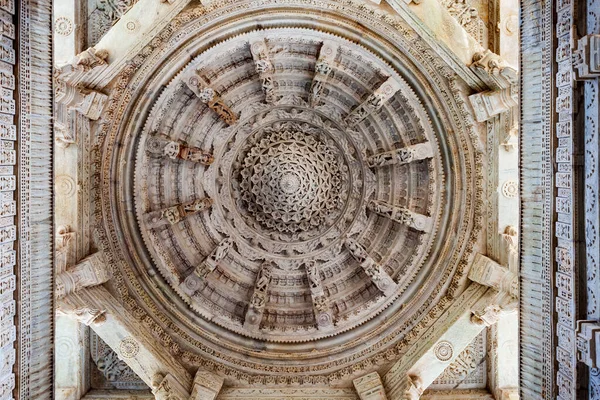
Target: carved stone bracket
[
  {"x": 322, "y": 310},
  {"x": 88, "y": 102},
  {"x": 415, "y": 388},
  {"x": 162, "y": 147},
  {"x": 586, "y": 58},
  {"x": 401, "y": 156},
  {"x": 323, "y": 68},
  {"x": 370, "y": 387},
  {"x": 91, "y": 58},
  {"x": 209, "y": 97},
  {"x": 401, "y": 215},
  {"x": 258, "y": 301},
  {"x": 588, "y": 343},
  {"x": 374, "y": 102},
  {"x": 488, "y": 104},
  {"x": 168, "y": 388},
  {"x": 487, "y": 272},
  {"x": 379, "y": 277},
  {"x": 192, "y": 283},
  {"x": 264, "y": 68},
  {"x": 177, "y": 213},
  {"x": 206, "y": 386},
  {"x": 91, "y": 271}
]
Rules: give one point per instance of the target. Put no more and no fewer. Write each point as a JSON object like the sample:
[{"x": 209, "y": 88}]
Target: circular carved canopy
[{"x": 287, "y": 203}]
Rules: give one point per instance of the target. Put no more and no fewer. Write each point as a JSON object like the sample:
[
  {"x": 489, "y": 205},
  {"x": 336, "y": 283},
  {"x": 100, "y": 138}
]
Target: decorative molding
[{"x": 370, "y": 387}]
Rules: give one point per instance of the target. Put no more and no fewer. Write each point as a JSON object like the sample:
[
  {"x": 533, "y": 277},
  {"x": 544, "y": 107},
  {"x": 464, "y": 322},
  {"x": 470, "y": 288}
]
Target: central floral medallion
[{"x": 291, "y": 181}]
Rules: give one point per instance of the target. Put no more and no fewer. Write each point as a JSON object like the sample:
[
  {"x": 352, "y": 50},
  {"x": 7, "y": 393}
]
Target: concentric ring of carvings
[{"x": 122, "y": 97}]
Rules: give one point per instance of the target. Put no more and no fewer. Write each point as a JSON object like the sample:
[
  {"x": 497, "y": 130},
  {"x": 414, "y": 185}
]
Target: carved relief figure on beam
[
  {"x": 402, "y": 156},
  {"x": 175, "y": 150},
  {"x": 209, "y": 97},
  {"x": 258, "y": 301},
  {"x": 166, "y": 387},
  {"x": 192, "y": 283},
  {"x": 379, "y": 277},
  {"x": 177, "y": 213},
  {"x": 401, "y": 215},
  {"x": 374, "y": 102},
  {"x": 91, "y": 58},
  {"x": 323, "y": 68},
  {"x": 264, "y": 68},
  {"x": 323, "y": 314}
]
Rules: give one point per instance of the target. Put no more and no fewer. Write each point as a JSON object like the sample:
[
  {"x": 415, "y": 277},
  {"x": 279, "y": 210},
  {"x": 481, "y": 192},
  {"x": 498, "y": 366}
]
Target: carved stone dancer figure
[
  {"x": 177, "y": 213},
  {"x": 176, "y": 150},
  {"x": 323, "y": 314},
  {"x": 378, "y": 276},
  {"x": 259, "y": 297}
]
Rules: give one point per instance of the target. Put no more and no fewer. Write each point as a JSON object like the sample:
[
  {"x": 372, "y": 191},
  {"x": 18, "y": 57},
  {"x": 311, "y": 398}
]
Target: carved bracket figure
[
  {"x": 91, "y": 58},
  {"x": 258, "y": 301},
  {"x": 264, "y": 68},
  {"x": 586, "y": 58},
  {"x": 370, "y": 387},
  {"x": 168, "y": 388},
  {"x": 176, "y": 150},
  {"x": 402, "y": 156},
  {"x": 321, "y": 308},
  {"x": 209, "y": 97},
  {"x": 323, "y": 68},
  {"x": 206, "y": 386},
  {"x": 192, "y": 283},
  {"x": 401, "y": 215},
  {"x": 588, "y": 343},
  {"x": 89, "y": 103},
  {"x": 379, "y": 277},
  {"x": 374, "y": 102},
  {"x": 91, "y": 271}
]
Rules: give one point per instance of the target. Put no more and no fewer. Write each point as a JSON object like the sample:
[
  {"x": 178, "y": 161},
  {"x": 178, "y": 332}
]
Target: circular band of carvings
[
  {"x": 510, "y": 189},
  {"x": 386, "y": 348}
]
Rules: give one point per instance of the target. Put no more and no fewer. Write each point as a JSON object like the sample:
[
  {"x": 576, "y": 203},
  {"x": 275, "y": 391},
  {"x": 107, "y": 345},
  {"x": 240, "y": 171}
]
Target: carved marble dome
[{"x": 277, "y": 196}]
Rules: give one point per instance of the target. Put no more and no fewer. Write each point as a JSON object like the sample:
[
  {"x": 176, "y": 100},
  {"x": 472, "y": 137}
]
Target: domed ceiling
[{"x": 286, "y": 200}]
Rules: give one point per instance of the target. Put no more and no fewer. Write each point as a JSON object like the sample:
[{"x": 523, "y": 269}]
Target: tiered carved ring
[{"x": 289, "y": 267}]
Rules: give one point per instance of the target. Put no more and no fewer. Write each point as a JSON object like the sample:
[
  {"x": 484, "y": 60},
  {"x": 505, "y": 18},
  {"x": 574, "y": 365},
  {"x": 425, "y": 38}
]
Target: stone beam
[
  {"x": 321, "y": 308},
  {"x": 192, "y": 282},
  {"x": 437, "y": 347},
  {"x": 162, "y": 147},
  {"x": 130, "y": 339},
  {"x": 374, "y": 102},
  {"x": 421, "y": 151},
  {"x": 206, "y": 386},
  {"x": 402, "y": 215},
  {"x": 323, "y": 68},
  {"x": 258, "y": 301},
  {"x": 91, "y": 271},
  {"x": 378, "y": 276},
  {"x": 288, "y": 393},
  {"x": 370, "y": 387},
  {"x": 491, "y": 103},
  {"x": 209, "y": 96},
  {"x": 130, "y": 34},
  {"x": 264, "y": 68}
]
